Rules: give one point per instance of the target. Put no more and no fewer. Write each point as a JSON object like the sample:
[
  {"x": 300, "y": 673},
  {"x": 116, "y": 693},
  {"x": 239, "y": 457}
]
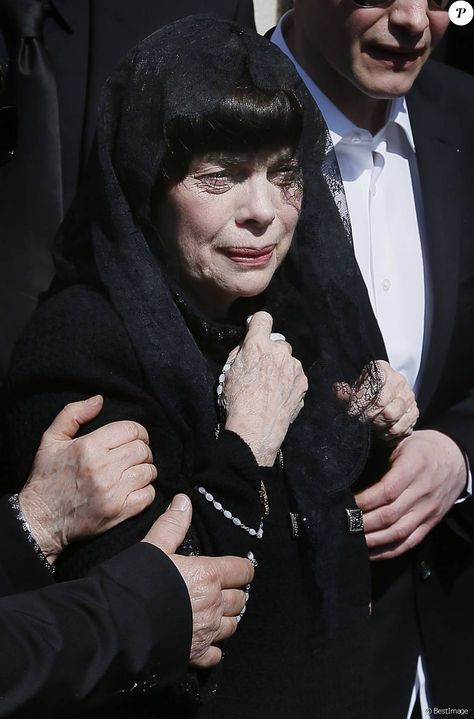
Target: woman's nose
[{"x": 256, "y": 202}]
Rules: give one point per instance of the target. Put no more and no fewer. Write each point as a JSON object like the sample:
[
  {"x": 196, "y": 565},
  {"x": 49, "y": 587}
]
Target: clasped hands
[{"x": 426, "y": 475}]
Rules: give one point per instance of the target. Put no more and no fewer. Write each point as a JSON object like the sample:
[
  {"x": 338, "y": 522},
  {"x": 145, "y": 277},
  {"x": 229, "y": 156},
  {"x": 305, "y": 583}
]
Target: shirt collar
[{"x": 339, "y": 125}]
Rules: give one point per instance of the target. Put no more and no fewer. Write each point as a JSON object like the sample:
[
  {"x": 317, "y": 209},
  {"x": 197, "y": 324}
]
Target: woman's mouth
[{"x": 254, "y": 256}]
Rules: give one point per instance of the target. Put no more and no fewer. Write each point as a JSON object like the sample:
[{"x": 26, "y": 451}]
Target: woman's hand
[
  {"x": 81, "y": 487},
  {"x": 264, "y": 390},
  {"x": 393, "y": 414}
]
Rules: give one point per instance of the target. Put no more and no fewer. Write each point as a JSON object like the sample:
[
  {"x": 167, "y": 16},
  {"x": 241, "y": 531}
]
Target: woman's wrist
[{"x": 263, "y": 451}]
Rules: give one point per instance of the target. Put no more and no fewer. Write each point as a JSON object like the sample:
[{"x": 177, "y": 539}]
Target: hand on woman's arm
[
  {"x": 215, "y": 584},
  {"x": 84, "y": 486},
  {"x": 264, "y": 390}
]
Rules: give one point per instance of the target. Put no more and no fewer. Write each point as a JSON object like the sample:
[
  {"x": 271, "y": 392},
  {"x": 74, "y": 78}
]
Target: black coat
[{"x": 65, "y": 644}]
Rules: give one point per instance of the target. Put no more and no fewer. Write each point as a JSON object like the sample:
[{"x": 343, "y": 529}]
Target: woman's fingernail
[{"x": 94, "y": 400}]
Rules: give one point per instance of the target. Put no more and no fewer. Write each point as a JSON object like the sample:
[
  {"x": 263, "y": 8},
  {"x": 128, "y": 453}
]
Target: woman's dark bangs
[
  {"x": 251, "y": 120},
  {"x": 248, "y": 120}
]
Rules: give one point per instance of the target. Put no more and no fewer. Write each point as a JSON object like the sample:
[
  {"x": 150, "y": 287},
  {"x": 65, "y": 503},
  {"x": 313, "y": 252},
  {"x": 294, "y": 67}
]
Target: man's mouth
[{"x": 395, "y": 55}]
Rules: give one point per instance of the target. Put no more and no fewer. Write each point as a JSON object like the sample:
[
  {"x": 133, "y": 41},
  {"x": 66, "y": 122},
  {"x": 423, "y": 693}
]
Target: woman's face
[{"x": 230, "y": 222}]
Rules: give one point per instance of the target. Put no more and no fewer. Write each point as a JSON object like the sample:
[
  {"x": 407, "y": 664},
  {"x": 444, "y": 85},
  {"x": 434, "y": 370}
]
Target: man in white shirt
[{"x": 406, "y": 164}]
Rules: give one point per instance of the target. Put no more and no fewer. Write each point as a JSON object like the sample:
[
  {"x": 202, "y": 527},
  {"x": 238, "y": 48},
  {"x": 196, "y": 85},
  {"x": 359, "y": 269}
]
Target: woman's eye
[
  {"x": 285, "y": 176},
  {"x": 216, "y": 181}
]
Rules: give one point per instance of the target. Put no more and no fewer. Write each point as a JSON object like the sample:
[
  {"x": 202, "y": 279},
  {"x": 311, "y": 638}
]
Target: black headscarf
[{"x": 184, "y": 69}]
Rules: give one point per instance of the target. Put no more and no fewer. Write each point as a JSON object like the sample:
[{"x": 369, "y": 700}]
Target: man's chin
[{"x": 388, "y": 85}]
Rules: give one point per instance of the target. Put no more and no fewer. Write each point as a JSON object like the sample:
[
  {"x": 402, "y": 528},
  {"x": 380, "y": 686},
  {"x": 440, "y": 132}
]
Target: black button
[{"x": 425, "y": 570}]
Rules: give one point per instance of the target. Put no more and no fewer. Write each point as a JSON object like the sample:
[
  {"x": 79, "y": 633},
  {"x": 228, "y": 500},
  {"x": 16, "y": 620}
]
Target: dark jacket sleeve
[
  {"x": 20, "y": 567},
  {"x": 125, "y": 627},
  {"x": 449, "y": 403},
  {"x": 458, "y": 423}
]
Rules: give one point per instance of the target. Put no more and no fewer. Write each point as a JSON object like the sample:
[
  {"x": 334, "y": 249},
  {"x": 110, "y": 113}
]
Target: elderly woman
[{"x": 194, "y": 193}]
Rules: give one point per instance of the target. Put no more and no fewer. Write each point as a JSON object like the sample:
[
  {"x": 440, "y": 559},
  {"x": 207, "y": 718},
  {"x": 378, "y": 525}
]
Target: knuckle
[
  {"x": 233, "y": 624},
  {"x": 390, "y": 490},
  {"x": 152, "y": 472},
  {"x": 298, "y": 367},
  {"x": 389, "y": 515},
  {"x": 400, "y": 428},
  {"x": 142, "y": 432},
  {"x": 131, "y": 475},
  {"x": 401, "y": 533},
  {"x": 392, "y": 412},
  {"x": 150, "y": 494},
  {"x": 130, "y": 430},
  {"x": 143, "y": 451},
  {"x": 210, "y": 576},
  {"x": 262, "y": 317},
  {"x": 412, "y": 541},
  {"x": 87, "y": 449},
  {"x": 147, "y": 495},
  {"x": 252, "y": 346},
  {"x": 108, "y": 504}
]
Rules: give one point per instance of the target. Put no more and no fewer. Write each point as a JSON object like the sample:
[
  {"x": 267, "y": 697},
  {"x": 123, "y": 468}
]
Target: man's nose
[
  {"x": 256, "y": 202},
  {"x": 411, "y": 15}
]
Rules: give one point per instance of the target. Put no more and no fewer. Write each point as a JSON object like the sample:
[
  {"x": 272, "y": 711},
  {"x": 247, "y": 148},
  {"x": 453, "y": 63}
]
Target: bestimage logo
[{"x": 446, "y": 711}]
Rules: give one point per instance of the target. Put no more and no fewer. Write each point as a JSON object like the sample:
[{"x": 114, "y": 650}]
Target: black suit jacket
[
  {"x": 423, "y": 601},
  {"x": 456, "y": 47},
  {"x": 86, "y": 39},
  {"x": 66, "y": 644}
]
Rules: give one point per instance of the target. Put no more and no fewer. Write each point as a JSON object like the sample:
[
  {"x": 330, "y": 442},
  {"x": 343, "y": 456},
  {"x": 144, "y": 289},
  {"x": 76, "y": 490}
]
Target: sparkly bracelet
[{"x": 15, "y": 505}]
